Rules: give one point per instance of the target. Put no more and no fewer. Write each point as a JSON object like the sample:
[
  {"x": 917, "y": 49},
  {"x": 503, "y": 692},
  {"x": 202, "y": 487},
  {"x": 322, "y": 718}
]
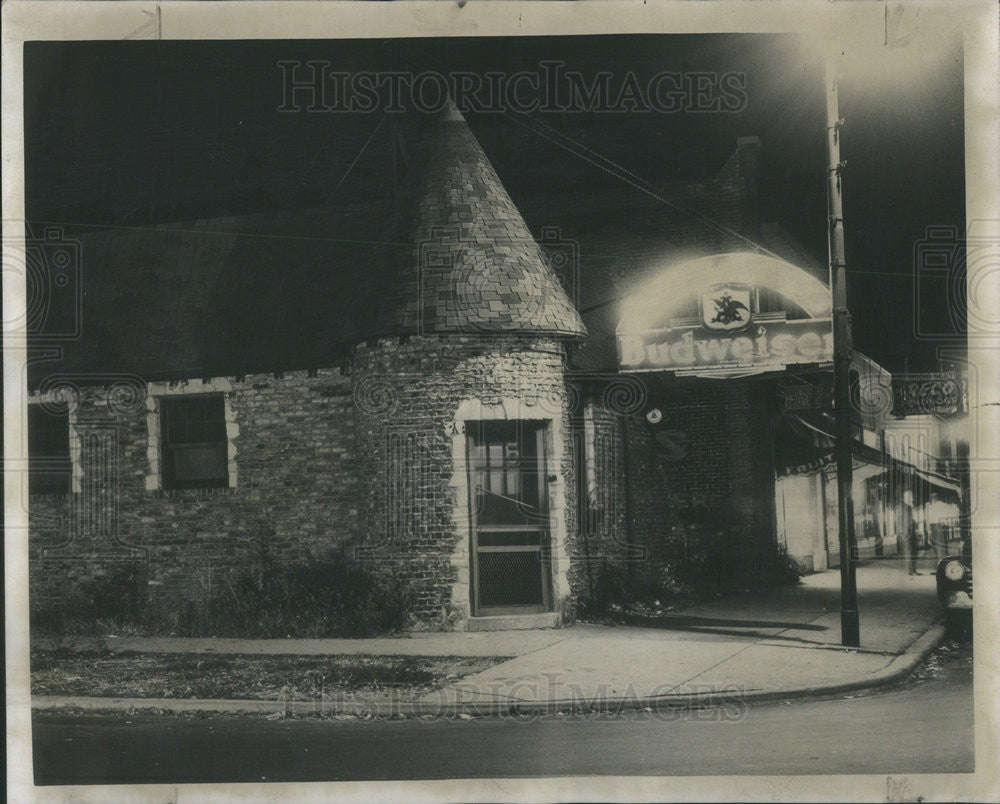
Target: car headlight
[{"x": 954, "y": 571}]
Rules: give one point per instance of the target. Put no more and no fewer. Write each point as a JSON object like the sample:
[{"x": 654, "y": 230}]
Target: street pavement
[
  {"x": 922, "y": 727},
  {"x": 783, "y": 642}
]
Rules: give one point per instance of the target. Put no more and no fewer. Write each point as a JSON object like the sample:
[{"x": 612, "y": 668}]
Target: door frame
[{"x": 542, "y": 430}]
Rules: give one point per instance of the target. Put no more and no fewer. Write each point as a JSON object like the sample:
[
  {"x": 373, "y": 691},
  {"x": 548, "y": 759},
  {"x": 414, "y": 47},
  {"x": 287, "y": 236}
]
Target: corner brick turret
[{"x": 464, "y": 320}]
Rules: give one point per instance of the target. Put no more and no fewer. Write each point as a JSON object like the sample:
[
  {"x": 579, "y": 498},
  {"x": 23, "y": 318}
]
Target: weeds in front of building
[
  {"x": 363, "y": 678},
  {"x": 698, "y": 559},
  {"x": 331, "y": 596}
]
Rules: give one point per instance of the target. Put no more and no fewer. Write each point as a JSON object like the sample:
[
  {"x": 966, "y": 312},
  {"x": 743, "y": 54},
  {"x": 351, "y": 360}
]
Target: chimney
[{"x": 747, "y": 149}]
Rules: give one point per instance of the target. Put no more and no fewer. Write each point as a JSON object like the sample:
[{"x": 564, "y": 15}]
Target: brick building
[{"x": 413, "y": 374}]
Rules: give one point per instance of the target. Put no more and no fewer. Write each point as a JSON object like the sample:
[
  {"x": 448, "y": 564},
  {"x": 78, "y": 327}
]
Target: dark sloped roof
[
  {"x": 443, "y": 249},
  {"x": 265, "y": 292}
]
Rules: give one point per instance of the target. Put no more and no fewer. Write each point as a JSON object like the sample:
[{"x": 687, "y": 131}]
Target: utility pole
[{"x": 842, "y": 349}]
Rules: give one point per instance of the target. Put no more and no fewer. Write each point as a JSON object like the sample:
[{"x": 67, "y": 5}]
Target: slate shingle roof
[
  {"x": 255, "y": 293},
  {"x": 468, "y": 262},
  {"x": 446, "y": 251}
]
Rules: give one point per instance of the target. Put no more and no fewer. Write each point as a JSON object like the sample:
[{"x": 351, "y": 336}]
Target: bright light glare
[{"x": 904, "y": 55}]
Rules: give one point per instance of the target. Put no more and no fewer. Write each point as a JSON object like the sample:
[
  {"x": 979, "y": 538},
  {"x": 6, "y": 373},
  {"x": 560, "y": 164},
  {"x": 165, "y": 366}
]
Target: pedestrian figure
[{"x": 907, "y": 531}]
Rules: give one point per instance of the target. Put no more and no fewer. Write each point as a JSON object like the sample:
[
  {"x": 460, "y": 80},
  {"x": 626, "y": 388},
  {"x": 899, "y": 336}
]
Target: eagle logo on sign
[{"x": 726, "y": 308}]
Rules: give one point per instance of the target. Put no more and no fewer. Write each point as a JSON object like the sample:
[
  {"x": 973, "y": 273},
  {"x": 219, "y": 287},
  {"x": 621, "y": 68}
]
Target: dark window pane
[
  {"x": 50, "y": 469},
  {"x": 195, "y": 448},
  {"x": 493, "y": 508},
  {"x": 194, "y": 419},
  {"x": 48, "y": 433},
  {"x": 505, "y": 472},
  {"x": 200, "y": 462}
]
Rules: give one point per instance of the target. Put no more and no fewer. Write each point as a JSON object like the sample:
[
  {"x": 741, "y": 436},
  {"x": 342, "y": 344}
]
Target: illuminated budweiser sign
[
  {"x": 763, "y": 346},
  {"x": 726, "y": 315}
]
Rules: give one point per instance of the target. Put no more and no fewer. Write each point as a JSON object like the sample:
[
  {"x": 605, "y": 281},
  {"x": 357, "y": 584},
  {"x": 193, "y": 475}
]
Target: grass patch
[
  {"x": 239, "y": 676},
  {"x": 333, "y": 595}
]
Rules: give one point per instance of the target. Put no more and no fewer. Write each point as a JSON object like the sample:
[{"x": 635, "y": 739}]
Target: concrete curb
[{"x": 897, "y": 671}]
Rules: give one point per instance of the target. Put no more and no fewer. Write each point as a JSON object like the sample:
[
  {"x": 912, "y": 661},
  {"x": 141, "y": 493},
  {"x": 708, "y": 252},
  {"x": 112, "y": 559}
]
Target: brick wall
[
  {"x": 368, "y": 457},
  {"x": 712, "y": 431},
  {"x": 601, "y": 536},
  {"x": 296, "y": 480},
  {"x": 413, "y": 398},
  {"x": 376, "y": 457},
  {"x": 707, "y": 463}
]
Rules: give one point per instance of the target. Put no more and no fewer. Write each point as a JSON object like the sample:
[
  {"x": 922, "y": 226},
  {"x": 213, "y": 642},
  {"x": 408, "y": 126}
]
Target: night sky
[{"x": 139, "y": 133}]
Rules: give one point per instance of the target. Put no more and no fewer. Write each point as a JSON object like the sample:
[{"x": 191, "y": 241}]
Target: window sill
[{"x": 180, "y": 494}]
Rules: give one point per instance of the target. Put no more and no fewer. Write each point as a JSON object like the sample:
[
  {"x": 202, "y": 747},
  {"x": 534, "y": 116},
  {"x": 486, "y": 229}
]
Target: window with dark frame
[
  {"x": 50, "y": 469},
  {"x": 195, "y": 449},
  {"x": 504, "y": 456}
]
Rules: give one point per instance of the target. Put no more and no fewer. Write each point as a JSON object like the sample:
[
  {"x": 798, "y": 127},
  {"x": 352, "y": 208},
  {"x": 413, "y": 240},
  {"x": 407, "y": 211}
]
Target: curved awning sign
[{"x": 705, "y": 317}]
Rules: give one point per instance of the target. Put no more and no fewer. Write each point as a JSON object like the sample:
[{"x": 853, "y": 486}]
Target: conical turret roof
[{"x": 457, "y": 256}]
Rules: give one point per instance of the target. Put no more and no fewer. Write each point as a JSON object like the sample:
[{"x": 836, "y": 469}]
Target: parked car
[{"x": 954, "y": 586}]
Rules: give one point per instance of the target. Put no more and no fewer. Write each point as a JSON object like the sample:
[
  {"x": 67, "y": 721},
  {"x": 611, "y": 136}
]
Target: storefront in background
[{"x": 897, "y": 491}]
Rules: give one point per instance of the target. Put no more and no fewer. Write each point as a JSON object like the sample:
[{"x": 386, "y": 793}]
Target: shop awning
[
  {"x": 804, "y": 444},
  {"x": 936, "y": 480},
  {"x": 932, "y": 481}
]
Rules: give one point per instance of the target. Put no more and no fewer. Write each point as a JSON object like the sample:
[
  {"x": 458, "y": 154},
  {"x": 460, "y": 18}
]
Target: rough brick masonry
[
  {"x": 366, "y": 457},
  {"x": 413, "y": 399},
  {"x": 706, "y": 466},
  {"x": 376, "y": 457},
  {"x": 296, "y": 476}
]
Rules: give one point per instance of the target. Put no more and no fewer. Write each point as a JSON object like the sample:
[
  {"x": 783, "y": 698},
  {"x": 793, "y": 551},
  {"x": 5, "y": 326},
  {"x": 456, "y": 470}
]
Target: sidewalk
[{"x": 780, "y": 644}]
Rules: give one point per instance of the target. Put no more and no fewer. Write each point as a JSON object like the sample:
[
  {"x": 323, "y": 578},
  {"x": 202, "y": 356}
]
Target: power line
[{"x": 625, "y": 175}]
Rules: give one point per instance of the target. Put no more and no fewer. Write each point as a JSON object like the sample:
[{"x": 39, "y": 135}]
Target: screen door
[{"x": 510, "y": 521}]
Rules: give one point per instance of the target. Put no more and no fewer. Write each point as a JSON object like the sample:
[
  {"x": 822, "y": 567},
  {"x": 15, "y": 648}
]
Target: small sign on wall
[
  {"x": 939, "y": 393},
  {"x": 726, "y": 308},
  {"x": 808, "y": 396}
]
